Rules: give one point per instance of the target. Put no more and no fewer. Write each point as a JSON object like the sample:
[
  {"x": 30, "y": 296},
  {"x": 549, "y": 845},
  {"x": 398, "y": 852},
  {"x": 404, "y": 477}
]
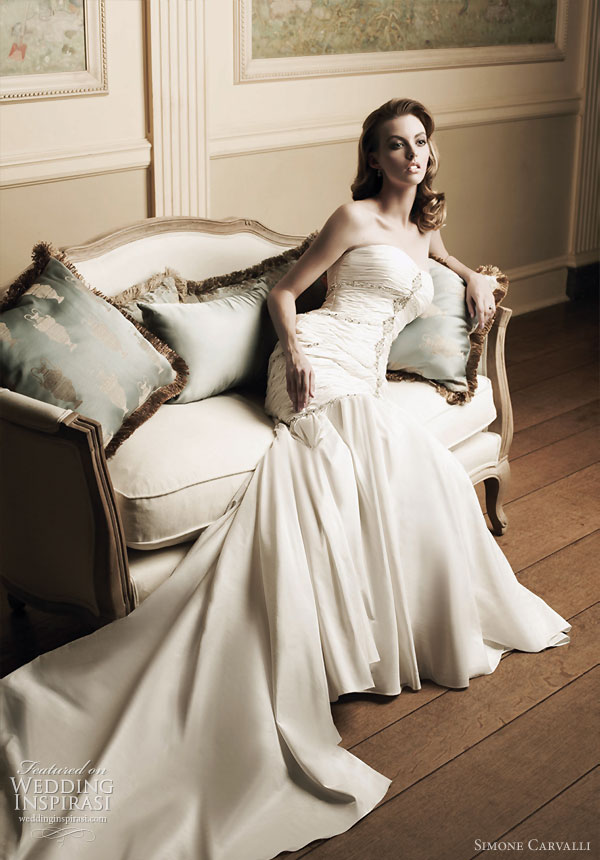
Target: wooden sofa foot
[
  {"x": 18, "y": 606},
  {"x": 495, "y": 488}
]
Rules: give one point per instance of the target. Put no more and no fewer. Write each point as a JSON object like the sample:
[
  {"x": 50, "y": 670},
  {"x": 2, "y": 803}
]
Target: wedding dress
[{"x": 354, "y": 558}]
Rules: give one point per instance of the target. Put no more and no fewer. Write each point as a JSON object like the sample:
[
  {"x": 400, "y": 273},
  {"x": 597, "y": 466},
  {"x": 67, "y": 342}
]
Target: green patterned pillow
[
  {"x": 66, "y": 344},
  {"x": 443, "y": 345}
]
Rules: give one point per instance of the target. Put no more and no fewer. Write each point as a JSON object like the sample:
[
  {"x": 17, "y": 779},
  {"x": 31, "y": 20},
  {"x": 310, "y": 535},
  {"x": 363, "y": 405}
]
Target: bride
[{"x": 354, "y": 558}]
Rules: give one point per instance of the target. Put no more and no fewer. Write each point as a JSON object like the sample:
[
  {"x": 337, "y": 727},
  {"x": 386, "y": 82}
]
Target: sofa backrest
[{"x": 197, "y": 248}]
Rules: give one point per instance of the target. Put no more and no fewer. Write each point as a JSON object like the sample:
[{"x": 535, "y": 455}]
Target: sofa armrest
[
  {"x": 62, "y": 545},
  {"x": 495, "y": 364}
]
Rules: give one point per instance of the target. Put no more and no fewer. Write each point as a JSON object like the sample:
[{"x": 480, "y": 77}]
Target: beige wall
[
  {"x": 74, "y": 168},
  {"x": 66, "y": 212},
  {"x": 284, "y": 151},
  {"x": 501, "y": 206}
]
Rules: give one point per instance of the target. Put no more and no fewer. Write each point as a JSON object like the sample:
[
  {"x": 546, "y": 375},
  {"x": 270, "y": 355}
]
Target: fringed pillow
[
  {"x": 221, "y": 340},
  {"x": 443, "y": 346},
  {"x": 167, "y": 287},
  {"x": 65, "y": 343},
  {"x": 256, "y": 282}
]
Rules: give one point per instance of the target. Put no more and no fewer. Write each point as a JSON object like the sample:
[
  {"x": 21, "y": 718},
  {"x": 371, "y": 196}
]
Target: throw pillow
[
  {"x": 167, "y": 286},
  {"x": 64, "y": 343},
  {"x": 221, "y": 340},
  {"x": 443, "y": 346}
]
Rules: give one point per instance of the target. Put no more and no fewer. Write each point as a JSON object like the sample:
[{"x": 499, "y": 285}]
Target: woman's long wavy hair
[{"x": 429, "y": 209}]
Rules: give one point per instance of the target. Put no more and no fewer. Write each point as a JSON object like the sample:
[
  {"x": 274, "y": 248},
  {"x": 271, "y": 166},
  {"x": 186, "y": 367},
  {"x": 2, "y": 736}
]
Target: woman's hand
[
  {"x": 480, "y": 296},
  {"x": 300, "y": 378}
]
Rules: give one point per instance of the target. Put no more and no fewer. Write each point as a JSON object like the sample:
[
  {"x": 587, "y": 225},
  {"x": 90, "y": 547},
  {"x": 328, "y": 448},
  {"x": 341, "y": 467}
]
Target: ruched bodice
[{"x": 373, "y": 291}]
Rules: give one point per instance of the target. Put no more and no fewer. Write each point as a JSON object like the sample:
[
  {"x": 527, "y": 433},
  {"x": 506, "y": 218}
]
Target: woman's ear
[{"x": 372, "y": 161}]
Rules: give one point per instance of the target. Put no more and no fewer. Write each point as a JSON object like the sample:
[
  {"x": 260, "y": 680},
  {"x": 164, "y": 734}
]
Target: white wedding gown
[{"x": 354, "y": 558}]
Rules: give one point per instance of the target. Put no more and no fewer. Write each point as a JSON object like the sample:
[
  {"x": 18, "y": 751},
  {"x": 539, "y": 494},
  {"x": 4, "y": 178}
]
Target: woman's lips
[{"x": 413, "y": 168}]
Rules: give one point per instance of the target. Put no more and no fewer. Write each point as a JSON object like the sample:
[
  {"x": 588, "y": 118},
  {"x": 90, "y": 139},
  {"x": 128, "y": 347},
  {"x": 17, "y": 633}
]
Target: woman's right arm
[{"x": 338, "y": 233}]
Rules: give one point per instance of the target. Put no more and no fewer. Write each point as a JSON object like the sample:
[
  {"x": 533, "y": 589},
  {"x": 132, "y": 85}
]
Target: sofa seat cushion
[
  {"x": 452, "y": 424},
  {"x": 148, "y": 570},
  {"x": 179, "y": 471}
]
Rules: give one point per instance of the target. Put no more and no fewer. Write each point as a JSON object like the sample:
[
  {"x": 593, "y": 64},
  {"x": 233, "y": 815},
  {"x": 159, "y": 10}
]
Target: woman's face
[{"x": 402, "y": 143}]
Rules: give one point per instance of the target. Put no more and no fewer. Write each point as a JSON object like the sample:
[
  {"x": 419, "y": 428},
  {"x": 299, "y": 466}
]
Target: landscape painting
[
  {"x": 42, "y": 36},
  {"x": 52, "y": 49},
  {"x": 300, "y": 28}
]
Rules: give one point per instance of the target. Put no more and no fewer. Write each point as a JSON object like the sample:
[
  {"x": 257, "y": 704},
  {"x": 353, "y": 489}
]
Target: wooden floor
[{"x": 512, "y": 757}]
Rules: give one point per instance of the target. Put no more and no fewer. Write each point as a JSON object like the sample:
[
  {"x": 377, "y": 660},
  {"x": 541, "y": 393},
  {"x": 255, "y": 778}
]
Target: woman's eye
[{"x": 423, "y": 142}]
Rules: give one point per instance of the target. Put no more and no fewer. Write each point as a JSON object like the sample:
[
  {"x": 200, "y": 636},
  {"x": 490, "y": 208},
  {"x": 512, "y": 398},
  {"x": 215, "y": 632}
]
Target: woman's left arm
[{"x": 479, "y": 292}]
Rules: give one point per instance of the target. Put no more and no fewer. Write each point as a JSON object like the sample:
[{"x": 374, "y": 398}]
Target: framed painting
[
  {"x": 278, "y": 39},
  {"x": 52, "y": 48}
]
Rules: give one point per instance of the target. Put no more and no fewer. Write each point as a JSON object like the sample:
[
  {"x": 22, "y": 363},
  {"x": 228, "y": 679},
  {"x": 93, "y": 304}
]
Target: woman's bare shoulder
[{"x": 349, "y": 220}]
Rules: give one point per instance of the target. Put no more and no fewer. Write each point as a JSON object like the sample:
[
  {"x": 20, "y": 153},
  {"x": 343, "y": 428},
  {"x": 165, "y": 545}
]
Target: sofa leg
[
  {"x": 15, "y": 603},
  {"x": 495, "y": 487}
]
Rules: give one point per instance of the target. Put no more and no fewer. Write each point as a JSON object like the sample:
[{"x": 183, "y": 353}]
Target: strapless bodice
[
  {"x": 373, "y": 292},
  {"x": 373, "y": 280}
]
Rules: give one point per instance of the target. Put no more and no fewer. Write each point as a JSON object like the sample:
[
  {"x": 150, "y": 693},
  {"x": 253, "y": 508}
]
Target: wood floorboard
[
  {"x": 534, "y": 334},
  {"x": 541, "y": 401},
  {"x": 554, "y": 462},
  {"x": 554, "y": 429},
  {"x": 415, "y": 746},
  {"x": 552, "y": 517},
  {"x": 551, "y": 463},
  {"x": 551, "y": 364},
  {"x": 489, "y": 789},
  {"x": 358, "y": 716},
  {"x": 551, "y": 450},
  {"x": 533, "y": 351},
  {"x": 572, "y": 811}
]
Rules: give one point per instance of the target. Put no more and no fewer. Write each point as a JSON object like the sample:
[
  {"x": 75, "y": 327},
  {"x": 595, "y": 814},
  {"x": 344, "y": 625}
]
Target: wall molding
[
  {"x": 229, "y": 143},
  {"x": 585, "y": 219},
  {"x": 29, "y": 168},
  {"x": 178, "y": 107},
  {"x": 537, "y": 285}
]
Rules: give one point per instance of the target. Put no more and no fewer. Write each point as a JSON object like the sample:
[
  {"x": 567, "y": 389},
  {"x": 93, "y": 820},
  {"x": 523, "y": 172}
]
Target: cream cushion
[
  {"x": 179, "y": 471},
  {"x": 451, "y": 424},
  {"x": 180, "y": 474}
]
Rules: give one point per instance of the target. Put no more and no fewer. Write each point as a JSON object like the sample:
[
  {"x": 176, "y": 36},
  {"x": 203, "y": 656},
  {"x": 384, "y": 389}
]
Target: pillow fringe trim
[
  {"x": 476, "y": 338},
  {"x": 41, "y": 254},
  {"x": 158, "y": 397},
  {"x": 138, "y": 291}
]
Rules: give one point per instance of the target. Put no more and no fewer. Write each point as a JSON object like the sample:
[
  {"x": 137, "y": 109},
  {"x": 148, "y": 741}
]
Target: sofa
[{"x": 84, "y": 533}]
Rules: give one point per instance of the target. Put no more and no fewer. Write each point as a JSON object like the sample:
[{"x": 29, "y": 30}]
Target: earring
[{"x": 378, "y": 173}]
